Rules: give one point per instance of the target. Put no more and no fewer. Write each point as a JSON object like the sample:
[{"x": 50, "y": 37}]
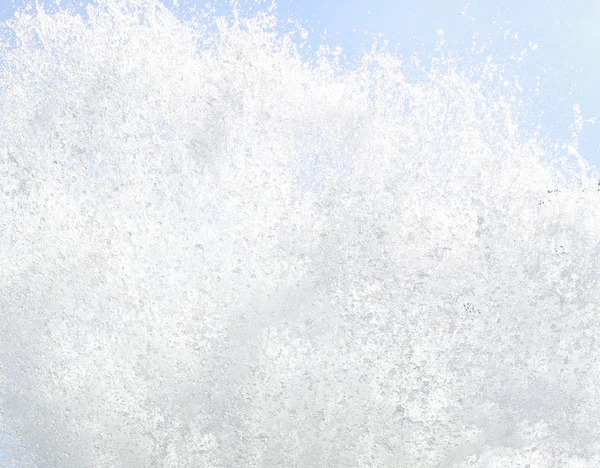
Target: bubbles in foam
[{"x": 217, "y": 253}]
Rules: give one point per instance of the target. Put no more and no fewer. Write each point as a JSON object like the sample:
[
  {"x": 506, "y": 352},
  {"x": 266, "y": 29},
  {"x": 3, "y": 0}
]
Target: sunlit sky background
[{"x": 561, "y": 39}]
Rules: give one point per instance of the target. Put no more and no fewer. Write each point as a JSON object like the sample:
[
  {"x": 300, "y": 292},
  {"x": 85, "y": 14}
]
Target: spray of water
[{"x": 217, "y": 253}]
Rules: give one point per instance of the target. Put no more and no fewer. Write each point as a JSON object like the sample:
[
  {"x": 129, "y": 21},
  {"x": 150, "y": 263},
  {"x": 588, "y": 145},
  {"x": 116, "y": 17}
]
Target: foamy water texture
[{"x": 217, "y": 253}]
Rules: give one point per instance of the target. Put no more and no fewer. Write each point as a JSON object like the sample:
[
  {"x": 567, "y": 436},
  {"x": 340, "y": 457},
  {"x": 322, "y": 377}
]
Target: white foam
[{"x": 216, "y": 253}]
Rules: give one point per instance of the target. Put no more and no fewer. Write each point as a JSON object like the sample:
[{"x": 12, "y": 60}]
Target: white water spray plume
[{"x": 217, "y": 251}]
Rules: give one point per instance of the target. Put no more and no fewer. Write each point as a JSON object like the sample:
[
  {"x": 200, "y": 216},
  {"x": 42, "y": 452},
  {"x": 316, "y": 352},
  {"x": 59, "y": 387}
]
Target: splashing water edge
[{"x": 216, "y": 252}]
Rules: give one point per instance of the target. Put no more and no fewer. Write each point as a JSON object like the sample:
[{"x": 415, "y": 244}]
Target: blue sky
[
  {"x": 565, "y": 36},
  {"x": 562, "y": 41}
]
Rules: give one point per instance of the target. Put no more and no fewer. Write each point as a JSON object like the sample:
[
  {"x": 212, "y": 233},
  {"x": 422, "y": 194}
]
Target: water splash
[{"x": 216, "y": 253}]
